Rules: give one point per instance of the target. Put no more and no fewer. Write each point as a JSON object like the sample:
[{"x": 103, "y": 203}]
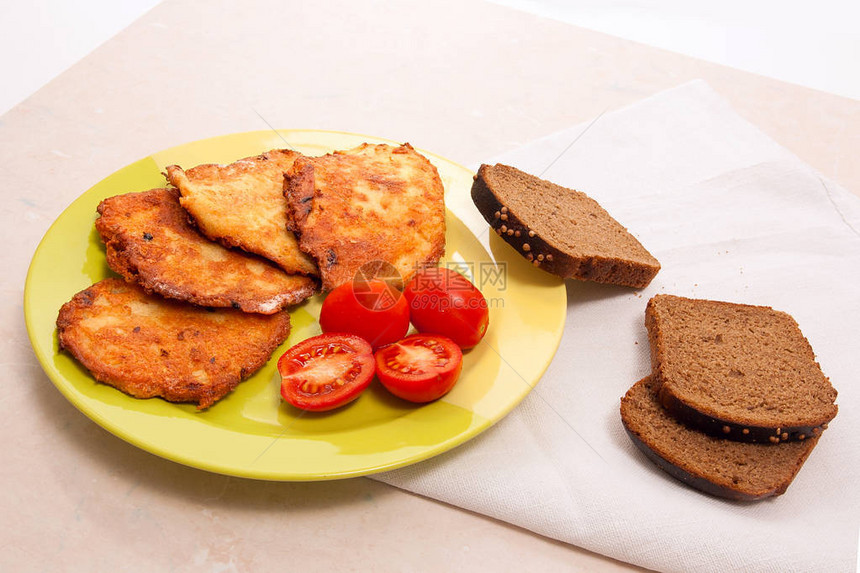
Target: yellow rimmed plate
[{"x": 251, "y": 433}]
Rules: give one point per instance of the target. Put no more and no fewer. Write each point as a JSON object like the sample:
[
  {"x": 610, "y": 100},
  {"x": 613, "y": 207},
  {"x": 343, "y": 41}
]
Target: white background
[
  {"x": 815, "y": 44},
  {"x": 811, "y": 43}
]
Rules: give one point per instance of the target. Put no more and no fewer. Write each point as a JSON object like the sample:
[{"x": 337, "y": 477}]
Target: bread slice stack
[{"x": 736, "y": 400}]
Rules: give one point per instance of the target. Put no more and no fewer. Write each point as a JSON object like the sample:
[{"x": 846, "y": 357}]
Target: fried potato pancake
[
  {"x": 370, "y": 203},
  {"x": 149, "y": 240},
  {"x": 242, "y": 205},
  {"x": 149, "y": 346}
]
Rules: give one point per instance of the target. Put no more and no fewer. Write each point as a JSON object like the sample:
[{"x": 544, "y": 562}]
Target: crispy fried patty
[
  {"x": 242, "y": 205},
  {"x": 149, "y": 240},
  {"x": 370, "y": 203},
  {"x": 148, "y": 346}
]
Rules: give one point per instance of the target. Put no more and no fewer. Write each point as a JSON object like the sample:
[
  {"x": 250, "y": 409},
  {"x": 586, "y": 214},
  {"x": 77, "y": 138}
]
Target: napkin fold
[{"x": 731, "y": 215}]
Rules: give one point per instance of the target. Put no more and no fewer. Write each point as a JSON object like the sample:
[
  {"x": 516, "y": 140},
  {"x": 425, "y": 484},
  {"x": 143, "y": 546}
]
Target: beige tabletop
[{"x": 467, "y": 80}]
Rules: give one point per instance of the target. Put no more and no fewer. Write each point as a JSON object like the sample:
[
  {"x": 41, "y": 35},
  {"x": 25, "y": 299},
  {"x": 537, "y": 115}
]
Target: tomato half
[
  {"x": 371, "y": 309},
  {"x": 326, "y": 371},
  {"x": 419, "y": 368},
  {"x": 442, "y": 301}
]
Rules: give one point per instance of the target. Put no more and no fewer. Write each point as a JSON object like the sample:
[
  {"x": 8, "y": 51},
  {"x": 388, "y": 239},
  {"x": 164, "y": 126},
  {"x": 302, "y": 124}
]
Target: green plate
[{"x": 251, "y": 433}]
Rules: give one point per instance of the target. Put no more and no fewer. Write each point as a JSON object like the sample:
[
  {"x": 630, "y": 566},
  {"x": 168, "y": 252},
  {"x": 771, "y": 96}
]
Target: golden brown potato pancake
[
  {"x": 242, "y": 205},
  {"x": 370, "y": 203},
  {"x": 149, "y": 346},
  {"x": 149, "y": 240}
]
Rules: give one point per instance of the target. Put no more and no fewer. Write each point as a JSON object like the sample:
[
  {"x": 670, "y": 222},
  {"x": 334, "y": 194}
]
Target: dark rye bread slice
[
  {"x": 562, "y": 231},
  {"x": 738, "y": 371},
  {"x": 717, "y": 466}
]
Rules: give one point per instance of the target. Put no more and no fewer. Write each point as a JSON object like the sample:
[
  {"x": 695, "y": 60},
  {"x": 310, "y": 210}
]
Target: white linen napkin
[{"x": 732, "y": 216}]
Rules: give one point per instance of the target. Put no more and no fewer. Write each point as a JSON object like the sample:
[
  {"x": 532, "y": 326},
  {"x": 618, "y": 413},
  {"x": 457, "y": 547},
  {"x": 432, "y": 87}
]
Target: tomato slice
[
  {"x": 326, "y": 371},
  {"x": 420, "y": 368}
]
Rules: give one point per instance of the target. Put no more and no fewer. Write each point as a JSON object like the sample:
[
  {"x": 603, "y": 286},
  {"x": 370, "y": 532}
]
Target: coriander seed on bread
[{"x": 562, "y": 231}]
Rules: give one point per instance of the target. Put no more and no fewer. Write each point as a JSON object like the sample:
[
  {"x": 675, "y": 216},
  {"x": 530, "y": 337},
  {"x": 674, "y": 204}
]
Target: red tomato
[
  {"x": 326, "y": 371},
  {"x": 442, "y": 301},
  {"x": 370, "y": 309},
  {"x": 419, "y": 368}
]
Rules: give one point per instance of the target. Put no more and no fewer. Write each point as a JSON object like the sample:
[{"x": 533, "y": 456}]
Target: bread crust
[
  {"x": 543, "y": 254},
  {"x": 733, "y": 431},
  {"x": 705, "y": 479},
  {"x": 701, "y": 483}
]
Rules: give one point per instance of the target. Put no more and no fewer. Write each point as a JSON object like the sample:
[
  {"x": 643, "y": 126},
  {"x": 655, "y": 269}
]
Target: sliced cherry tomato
[
  {"x": 442, "y": 301},
  {"x": 326, "y": 371},
  {"x": 419, "y": 368},
  {"x": 371, "y": 309}
]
